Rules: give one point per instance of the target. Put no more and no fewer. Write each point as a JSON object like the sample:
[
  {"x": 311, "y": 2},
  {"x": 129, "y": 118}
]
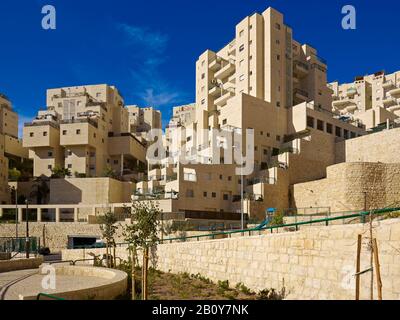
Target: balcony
[
  {"x": 90, "y": 121},
  {"x": 232, "y": 79},
  {"x": 301, "y": 69},
  {"x": 232, "y": 48},
  {"x": 388, "y": 85},
  {"x": 351, "y": 92},
  {"x": 394, "y": 108},
  {"x": 395, "y": 92},
  {"x": 221, "y": 101},
  {"x": 343, "y": 103},
  {"x": 351, "y": 108},
  {"x": 301, "y": 95},
  {"x": 126, "y": 144},
  {"x": 389, "y": 101},
  {"x": 215, "y": 65},
  {"x": 225, "y": 72},
  {"x": 215, "y": 91}
]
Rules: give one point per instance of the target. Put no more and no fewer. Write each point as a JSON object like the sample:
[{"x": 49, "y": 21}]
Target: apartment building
[
  {"x": 86, "y": 130},
  {"x": 143, "y": 120},
  {"x": 10, "y": 146},
  {"x": 373, "y": 99},
  {"x": 262, "y": 80}
]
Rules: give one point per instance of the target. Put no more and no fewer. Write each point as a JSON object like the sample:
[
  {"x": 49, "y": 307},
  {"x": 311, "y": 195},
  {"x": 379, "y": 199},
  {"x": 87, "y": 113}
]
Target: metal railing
[
  {"x": 18, "y": 245},
  {"x": 49, "y": 296},
  {"x": 361, "y": 217},
  {"x": 86, "y": 120}
]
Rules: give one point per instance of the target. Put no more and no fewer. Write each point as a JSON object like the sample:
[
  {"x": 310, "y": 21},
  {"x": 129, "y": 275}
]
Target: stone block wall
[
  {"x": 344, "y": 187},
  {"x": 314, "y": 263}
]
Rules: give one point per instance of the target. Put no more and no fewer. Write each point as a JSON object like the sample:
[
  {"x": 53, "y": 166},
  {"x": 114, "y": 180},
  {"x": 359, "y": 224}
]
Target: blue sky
[{"x": 148, "y": 48}]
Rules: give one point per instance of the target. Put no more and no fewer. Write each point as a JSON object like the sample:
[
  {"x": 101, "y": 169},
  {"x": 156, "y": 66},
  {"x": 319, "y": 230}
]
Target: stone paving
[{"x": 30, "y": 284}]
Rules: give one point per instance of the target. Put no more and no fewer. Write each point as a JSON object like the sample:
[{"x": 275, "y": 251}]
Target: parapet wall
[
  {"x": 345, "y": 186},
  {"x": 314, "y": 263},
  {"x": 378, "y": 147}
]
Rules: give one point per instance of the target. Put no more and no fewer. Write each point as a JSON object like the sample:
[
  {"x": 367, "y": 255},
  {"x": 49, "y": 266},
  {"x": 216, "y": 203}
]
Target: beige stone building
[
  {"x": 262, "y": 80},
  {"x": 86, "y": 130},
  {"x": 373, "y": 99},
  {"x": 143, "y": 120},
  {"x": 10, "y": 144}
]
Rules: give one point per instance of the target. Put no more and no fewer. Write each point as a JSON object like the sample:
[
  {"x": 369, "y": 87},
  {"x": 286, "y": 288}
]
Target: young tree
[
  {"x": 60, "y": 173},
  {"x": 108, "y": 228},
  {"x": 142, "y": 233}
]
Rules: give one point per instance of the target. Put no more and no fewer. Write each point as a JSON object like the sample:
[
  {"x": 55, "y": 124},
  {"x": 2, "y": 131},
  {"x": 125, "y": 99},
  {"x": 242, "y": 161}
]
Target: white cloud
[{"x": 149, "y": 54}]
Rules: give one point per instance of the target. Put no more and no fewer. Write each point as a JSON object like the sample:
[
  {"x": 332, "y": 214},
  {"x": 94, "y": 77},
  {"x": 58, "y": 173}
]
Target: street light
[
  {"x": 27, "y": 241},
  {"x": 241, "y": 188},
  {"x": 16, "y": 211}
]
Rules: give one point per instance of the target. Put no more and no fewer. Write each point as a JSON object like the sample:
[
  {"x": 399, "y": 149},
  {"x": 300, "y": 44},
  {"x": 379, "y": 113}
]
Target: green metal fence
[
  {"x": 360, "y": 217},
  {"x": 18, "y": 245}
]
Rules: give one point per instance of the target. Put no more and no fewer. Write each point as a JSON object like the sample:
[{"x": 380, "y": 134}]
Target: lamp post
[
  {"x": 27, "y": 241},
  {"x": 16, "y": 211},
  {"x": 241, "y": 188}
]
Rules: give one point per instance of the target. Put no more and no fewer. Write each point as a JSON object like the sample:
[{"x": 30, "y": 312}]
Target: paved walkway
[{"x": 29, "y": 283}]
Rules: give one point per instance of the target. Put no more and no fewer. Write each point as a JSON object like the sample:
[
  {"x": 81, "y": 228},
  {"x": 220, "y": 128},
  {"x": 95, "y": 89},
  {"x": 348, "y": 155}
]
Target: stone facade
[
  {"x": 345, "y": 186},
  {"x": 314, "y": 263}
]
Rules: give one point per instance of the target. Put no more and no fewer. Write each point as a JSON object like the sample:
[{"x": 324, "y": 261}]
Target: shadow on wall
[{"x": 64, "y": 192}]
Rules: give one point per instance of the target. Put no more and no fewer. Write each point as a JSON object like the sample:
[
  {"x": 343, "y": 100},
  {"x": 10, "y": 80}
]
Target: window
[
  {"x": 221, "y": 177},
  {"x": 338, "y": 132},
  {"x": 265, "y": 151},
  {"x": 320, "y": 125},
  {"x": 278, "y": 104},
  {"x": 214, "y": 195},
  {"x": 329, "y": 128},
  {"x": 64, "y": 132},
  {"x": 31, "y": 134},
  {"x": 278, "y": 42},
  {"x": 203, "y": 76},
  {"x": 226, "y": 197},
  {"x": 50, "y": 167},
  {"x": 94, "y": 135},
  {"x": 225, "y": 121},
  {"x": 310, "y": 122},
  {"x": 70, "y": 166},
  {"x": 241, "y": 48},
  {"x": 203, "y": 101},
  {"x": 189, "y": 193},
  {"x": 346, "y": 134},
  {"x": 78, "y": 131},
  {"x": 115, "y": 161},
  {"x": 50, "y": 154},
  {"x": 69, "y": 152},
  {"x": 45, "y": 134},
  {"x": 278, "y": 138},
  {"x": 205, "y": 194},
  {"x": 241, "y": 33},
  {"x": 229, "y": 178},
  {"x": 278, "y": 26},
  {"x": 353, "y": 135},
  {"x": 278, "y": 57}
]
